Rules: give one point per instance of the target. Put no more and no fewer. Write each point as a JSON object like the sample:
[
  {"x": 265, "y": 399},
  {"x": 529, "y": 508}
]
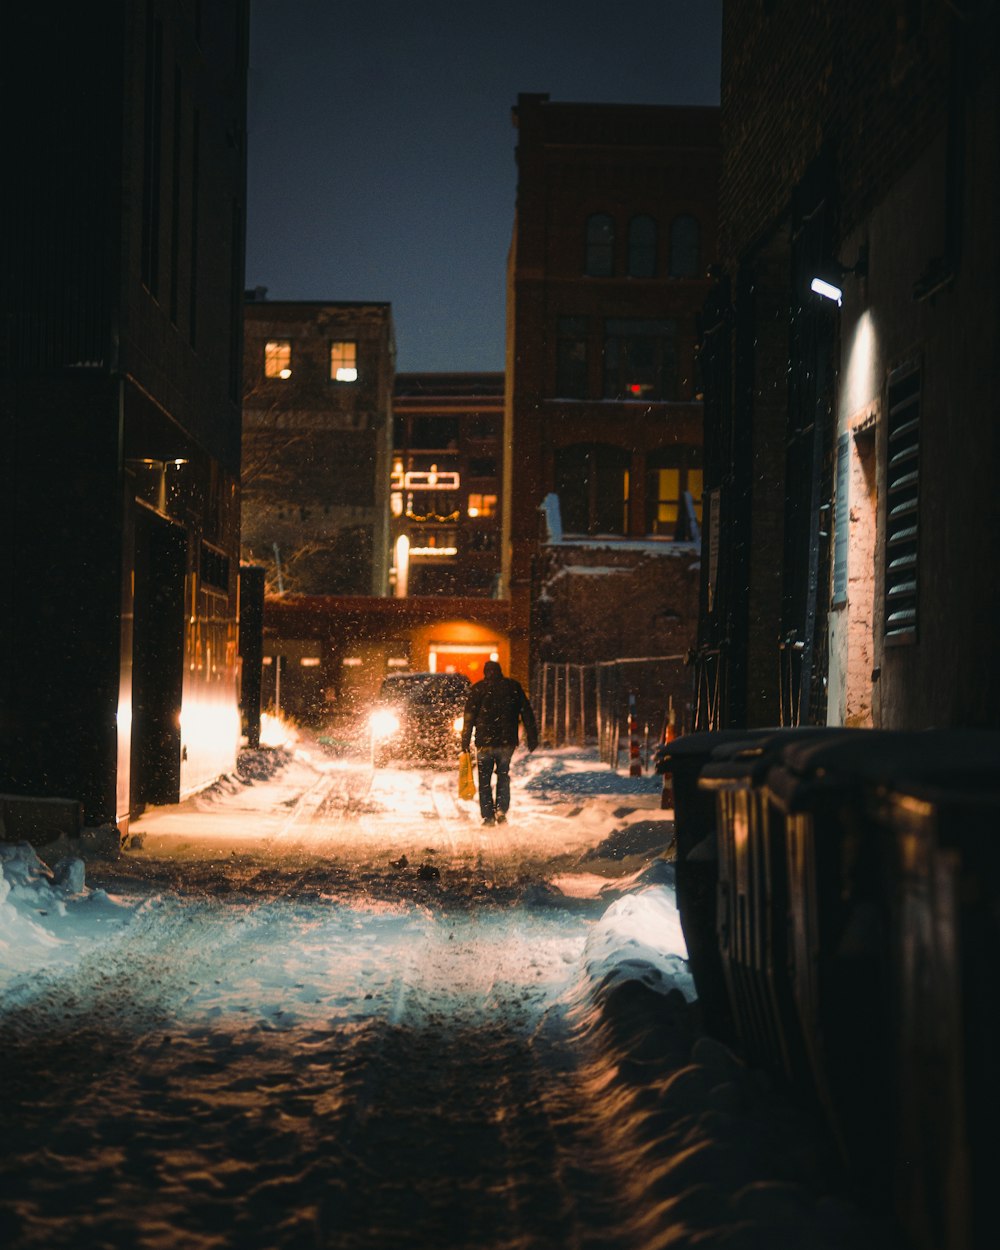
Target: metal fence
[{"x": 579, "y": 704}]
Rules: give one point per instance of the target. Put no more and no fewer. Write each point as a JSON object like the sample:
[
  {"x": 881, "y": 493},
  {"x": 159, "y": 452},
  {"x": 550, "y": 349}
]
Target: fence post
[{"x": 634, "y": 762}]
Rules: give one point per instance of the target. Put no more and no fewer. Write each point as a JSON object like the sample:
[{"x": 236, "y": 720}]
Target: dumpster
[
  {"x": 752, "y": 902},
  {"x": 849, "y": 931},
  {"x": 697, "y": 866},
  {"x": 839, "y": 875},
  {"x": 946, "y": 943}
]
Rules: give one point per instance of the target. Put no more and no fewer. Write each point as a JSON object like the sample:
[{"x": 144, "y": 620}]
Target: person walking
[{"x": 492, "y": 710}]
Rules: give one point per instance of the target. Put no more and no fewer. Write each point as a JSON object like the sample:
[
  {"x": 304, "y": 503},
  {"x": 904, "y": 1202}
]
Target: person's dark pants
[{"x": 490, "y": 758}]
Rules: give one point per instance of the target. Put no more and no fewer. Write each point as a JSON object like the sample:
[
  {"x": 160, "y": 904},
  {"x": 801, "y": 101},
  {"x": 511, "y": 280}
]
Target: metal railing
[
  {"x": 710, "y": 689},
  {"x": 579, "y": 704},
  {"x": 790, "y": 655}
]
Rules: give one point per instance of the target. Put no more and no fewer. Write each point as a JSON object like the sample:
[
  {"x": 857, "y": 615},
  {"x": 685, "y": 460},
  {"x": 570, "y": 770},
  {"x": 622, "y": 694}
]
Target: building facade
[
  {"x": 120, "y": 401},
  {"x": 325, "y": 657},
  {"x": 317, "y": 430},
  {"x": 445, "y": 488},
  {"x": 851, "y": 441},
  {"x": 615, "y": 222}
]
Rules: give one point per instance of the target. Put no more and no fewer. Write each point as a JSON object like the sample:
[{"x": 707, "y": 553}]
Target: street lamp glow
[{"x": 827, "y": 290}]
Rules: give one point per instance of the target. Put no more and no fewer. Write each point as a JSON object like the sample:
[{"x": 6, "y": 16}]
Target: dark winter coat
[{"x": 493, "y": 709}]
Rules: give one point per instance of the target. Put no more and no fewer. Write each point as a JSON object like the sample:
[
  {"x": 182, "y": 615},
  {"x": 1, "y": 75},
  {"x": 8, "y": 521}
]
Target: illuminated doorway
[{"x": 467, "y": 658}]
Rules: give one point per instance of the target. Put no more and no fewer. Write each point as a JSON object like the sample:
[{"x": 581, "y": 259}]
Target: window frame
[
  {"x": 623, "y": 342},
  {"x": 678, "y": 244},
  {"x": 686, "y": 461},
  {"x": 273, "y": 368},
  {"x": 599, "y": 247},
  {"x": 636, "y": 247},
  {"x": 343, "y": 357},
  {"x": 572, "y": 336},
  {"x": 598, "y": 466}
]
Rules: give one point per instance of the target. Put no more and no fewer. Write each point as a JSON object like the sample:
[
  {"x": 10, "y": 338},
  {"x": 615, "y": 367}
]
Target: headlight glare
[{"x": 383, "y": 723}]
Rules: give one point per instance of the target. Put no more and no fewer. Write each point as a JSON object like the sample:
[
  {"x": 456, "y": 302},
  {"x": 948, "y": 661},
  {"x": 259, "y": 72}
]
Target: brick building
[
  {"x": 445, "y": 483},
  {"x": 317, "y": 428},
  {"x": 851, "y": 445},
  {"x": 615, "y": 221},
  {"x": 120, "y": 295}
]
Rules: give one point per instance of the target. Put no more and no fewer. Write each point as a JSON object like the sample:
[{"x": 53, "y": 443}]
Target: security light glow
[
  {"x": 285, "y": 373},
  {"x": 827, "y": 290}
]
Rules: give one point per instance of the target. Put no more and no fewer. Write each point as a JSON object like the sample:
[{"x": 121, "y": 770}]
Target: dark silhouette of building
[
  {"x": 447, "y": 465},
  {"x": 851, "y": 442},
  {"x": 121, "y": 353},
  {"x": 615, "y": 221},
  {"x": 317, "y": 429}
]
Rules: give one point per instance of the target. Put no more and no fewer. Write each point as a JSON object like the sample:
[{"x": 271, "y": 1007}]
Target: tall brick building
[
  {"x": 120, "y": 294},
  {"x": 615, "y": 223},
  {"x": 851, "y": 446},
  {"x": 317, "y": 429},
  {"x": 447, "y": 462}
]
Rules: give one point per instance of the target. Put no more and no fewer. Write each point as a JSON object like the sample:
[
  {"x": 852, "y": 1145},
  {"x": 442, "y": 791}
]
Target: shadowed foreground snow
[{"x": 317, "y": 1007}]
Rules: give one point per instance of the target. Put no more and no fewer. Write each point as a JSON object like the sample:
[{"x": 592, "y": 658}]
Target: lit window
[
  {"x": 310, "y": 661},
  {"x": 344, "y": 362},
  {"x": 674, "y": 484},
  {"x": 277, "y": 358},
  {"x": 482, "y": 505}
]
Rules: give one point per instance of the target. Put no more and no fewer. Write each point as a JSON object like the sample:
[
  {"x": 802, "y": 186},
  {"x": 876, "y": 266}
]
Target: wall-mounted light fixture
[
  {"x": 161, "y": 467},
  {"x": 828, "y": 283}
]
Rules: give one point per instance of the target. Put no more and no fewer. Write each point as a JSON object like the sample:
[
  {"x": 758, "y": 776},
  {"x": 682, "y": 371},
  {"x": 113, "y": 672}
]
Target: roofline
[{"x": 318, "y": 303}]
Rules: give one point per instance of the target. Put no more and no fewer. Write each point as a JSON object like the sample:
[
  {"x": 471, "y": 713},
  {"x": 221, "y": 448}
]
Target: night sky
[{"x": 381, "y": 149}]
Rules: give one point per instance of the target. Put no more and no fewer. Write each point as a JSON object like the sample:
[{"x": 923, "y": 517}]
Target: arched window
[
  {"x": 600, "y": 259},
  {"x": 642, "y": 247},
  {"x": 685, "y": 245},
  {"x": 592, "y": 482}
]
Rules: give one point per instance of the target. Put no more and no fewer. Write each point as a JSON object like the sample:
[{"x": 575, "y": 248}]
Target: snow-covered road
[{"x": 330, "y": 1009}]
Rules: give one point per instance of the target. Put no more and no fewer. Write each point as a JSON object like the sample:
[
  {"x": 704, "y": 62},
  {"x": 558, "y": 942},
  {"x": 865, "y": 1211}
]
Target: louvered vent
[{"x": 903, "y": 505}]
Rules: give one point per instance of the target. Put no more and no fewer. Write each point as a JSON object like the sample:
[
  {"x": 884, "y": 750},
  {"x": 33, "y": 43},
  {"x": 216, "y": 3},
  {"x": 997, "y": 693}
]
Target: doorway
[{"x": 467, "y": 658}]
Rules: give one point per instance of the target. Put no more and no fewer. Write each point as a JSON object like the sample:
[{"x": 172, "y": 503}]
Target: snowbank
[{"x": 48, "y": 916}]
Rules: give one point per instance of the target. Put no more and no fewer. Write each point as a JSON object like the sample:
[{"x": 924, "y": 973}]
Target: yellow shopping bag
[{"x": 466, "y": 781}]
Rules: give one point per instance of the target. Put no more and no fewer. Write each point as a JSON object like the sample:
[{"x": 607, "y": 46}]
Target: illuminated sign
[{"x": 425, "y": 479}]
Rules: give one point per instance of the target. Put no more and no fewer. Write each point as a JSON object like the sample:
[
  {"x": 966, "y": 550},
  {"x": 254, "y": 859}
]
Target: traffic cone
[{"x": 669, "y": 734}]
